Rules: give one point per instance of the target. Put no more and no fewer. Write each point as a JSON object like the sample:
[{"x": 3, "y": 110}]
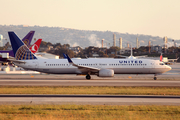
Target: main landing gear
[
  {"x": 88, "y": 77},
  {"x": 155, "y": 78}
]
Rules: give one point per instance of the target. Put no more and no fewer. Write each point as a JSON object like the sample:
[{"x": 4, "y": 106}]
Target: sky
[{"x": 148, "y": 17}]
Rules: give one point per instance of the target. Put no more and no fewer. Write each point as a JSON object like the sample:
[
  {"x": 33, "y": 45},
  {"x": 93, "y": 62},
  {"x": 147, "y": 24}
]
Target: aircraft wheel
[
  {"x": 155, "y": 78},
  {"x": 88, "y": 77}
]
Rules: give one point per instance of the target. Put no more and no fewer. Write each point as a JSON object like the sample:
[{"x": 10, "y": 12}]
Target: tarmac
[{"x": 168, "y": 79}]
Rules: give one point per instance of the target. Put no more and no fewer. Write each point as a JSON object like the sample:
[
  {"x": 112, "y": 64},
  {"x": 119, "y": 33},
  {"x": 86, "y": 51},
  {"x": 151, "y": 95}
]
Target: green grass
[
  {"x": 90, "y": 90},
  {"x": 90, "y": 112}
]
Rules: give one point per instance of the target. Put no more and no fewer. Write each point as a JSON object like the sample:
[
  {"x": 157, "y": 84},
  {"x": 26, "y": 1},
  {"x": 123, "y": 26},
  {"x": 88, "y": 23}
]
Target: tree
[
  {"x": 49, "y": 44},
  {"x": 111, "y": 55},
  {"x": 43, "y": 44},
  {"x": 60, "y": 52},
  {"x": 81, "y": 55},
  {"x": 101, "y": 53},
  {"x": 57, "y": 45},
  {"x": 113, "y": 49},
  {"x": 66, "y": 46},
  {"x": 143, "y": 49}
]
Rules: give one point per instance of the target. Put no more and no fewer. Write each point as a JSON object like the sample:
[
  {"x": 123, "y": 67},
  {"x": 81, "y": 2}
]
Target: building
[
  {"x": 165, "y": 44},
  {"x": 120, "y": 43},
  {"x": 127, "y": 45},
  {"x": 126, "y": 50},
  {"x": 156, "y": 49},
  {"x": 149, "y": 45},
  {"x": 137, "y": 43},
  {"x": 114, "y": 39},
  {"x": 1, "y": 40},
  {"x": 102, "y": 43},
  {"x": 103, "y": 50},
  {"x": 76, "y": 49}
]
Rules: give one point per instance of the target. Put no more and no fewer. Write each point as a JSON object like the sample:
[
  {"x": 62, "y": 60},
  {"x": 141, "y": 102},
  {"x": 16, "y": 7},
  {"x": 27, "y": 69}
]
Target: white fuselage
[{"x": 120, "y": 66}]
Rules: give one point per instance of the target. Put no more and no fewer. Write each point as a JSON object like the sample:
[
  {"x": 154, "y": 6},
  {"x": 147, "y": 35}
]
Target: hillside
[{"x": 83, "y": 38}]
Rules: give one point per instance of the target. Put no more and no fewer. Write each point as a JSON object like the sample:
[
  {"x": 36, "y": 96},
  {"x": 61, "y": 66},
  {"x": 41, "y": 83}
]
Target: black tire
[
  {"x": 88, "y": 77},
  {"x": 155, "y": 78}
]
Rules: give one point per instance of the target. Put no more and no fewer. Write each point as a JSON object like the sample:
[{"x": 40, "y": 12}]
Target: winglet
[
  {"x": 65, "y": 56},
  {"x": 69, "y": 60}
]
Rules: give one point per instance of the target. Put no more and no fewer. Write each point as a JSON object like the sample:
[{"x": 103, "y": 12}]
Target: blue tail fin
[{"x": 21, "y": 51}]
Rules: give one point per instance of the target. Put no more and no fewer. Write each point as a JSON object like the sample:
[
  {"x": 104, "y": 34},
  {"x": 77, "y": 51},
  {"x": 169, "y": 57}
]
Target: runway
[
  {"x": 170, "y": 78},
  {"x": 45, "y": 82},
  {"x": 73, "y": 80},
  {"x": 90, "y": 99},
  {"x": 167, "y": 76}
]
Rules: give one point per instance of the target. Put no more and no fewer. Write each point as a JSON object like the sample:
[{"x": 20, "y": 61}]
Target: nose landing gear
[{"x": 88, "y": 77}]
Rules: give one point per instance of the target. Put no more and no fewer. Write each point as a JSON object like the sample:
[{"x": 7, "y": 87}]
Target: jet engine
[{"x": 106, "y": 73}]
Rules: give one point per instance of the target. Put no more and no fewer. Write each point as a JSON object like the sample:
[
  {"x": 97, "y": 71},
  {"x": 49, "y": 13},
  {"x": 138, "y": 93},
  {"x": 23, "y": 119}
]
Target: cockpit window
[{"x": 161, "y": 63}]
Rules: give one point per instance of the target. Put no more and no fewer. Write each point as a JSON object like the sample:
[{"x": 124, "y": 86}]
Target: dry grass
[
  {"x": 90, "y": 90},
  {"x": 90, "y": 112}
]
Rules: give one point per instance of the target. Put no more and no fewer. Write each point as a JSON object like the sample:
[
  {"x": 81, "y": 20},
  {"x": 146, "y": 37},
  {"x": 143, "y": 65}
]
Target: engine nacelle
[{"x": 106, "y": 73}]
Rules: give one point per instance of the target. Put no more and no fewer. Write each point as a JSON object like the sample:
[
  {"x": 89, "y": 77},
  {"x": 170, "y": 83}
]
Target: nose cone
[{"x": 168, "y": 68}]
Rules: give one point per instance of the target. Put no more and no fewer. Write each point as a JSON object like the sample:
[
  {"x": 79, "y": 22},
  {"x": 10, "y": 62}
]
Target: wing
[{"x": 92, "y": 69}]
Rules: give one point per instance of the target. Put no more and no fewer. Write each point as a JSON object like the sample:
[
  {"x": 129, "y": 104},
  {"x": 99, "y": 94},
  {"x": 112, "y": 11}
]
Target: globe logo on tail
[{"x": 23, "y": 53}]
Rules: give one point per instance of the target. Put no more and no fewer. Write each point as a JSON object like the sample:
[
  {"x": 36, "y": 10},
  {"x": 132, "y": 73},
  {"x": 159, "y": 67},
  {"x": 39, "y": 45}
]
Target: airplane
[
  {"x": 34, "y": 48},
  {"x": 100, "y": 67},
  {"x": 167, "y": 61},
  {"x": 172, "y": 60},
  {"x": 27, "y": 40}
]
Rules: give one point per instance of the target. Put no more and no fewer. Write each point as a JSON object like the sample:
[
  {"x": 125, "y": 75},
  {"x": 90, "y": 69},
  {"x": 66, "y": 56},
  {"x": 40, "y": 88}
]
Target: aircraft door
[{"x": 36, "y": 64}]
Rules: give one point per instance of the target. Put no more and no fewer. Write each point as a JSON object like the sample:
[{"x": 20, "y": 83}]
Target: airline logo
[
  {"x": 34, "y": 48},
  {"x": 23, "y": 53},
  {"x": 26, "y": 41},
  {"x": 131, "y": 61}
]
